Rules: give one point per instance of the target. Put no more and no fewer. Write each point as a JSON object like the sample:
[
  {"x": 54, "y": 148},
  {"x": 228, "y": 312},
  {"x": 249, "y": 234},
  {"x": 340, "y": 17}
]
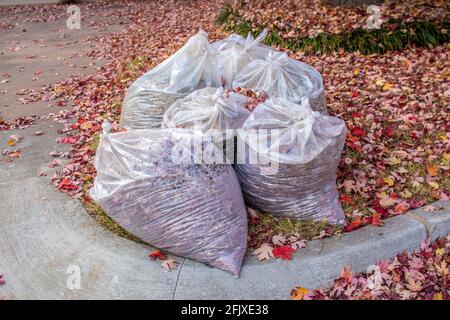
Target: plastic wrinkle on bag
[
  {"x": 149, "y": 184},
  {"x": 235, "y": 52},
  {"x": 303, "y": 148},
  {"x": 192, "y": 67},
  {"x": 209, "y": 108},
  {"x": 280, "y": 76}
]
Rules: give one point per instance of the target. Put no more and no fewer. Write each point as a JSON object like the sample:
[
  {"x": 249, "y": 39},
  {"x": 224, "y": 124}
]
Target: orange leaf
[
  {"x": 433, "y": 170},
  {"x": 401, "y": 208},
  {"x": 346, "y": 199},
  {"x": 376, "y": 219},
  {"x": 299, "y": 293}
]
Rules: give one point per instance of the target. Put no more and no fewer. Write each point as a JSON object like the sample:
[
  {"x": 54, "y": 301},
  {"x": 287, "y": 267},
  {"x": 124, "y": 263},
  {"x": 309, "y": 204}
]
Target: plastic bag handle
[{"x": 250, "y": 41}]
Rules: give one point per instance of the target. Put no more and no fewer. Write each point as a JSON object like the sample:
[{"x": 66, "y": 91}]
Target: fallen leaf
[
  {"x": 299, "y": 293},
  {"x": 401, "y": 208},
  {"x": 387, "y": 86},
  {"x": 433, "y": 184},
  {"x": 264, "y": 252},
  {"x": 438, "y": 296},
  {"x": 283, "y": 252},
  {"x": 386, "y": 201},
  {"x": 169, "y": 264},
  {"x": 433, "y": 170},
  {"x": 157, "y": 254},
  {"x": 54, "y": 163},
  {"x": 389, "y": 181},
  {"x": 298, "y": 244},
  {"x": 278, "y": 240},
  {"x": 358, "y": 132}
]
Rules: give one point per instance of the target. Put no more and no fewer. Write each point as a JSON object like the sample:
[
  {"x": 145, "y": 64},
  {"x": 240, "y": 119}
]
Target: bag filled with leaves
[
  {"x": 209, "y": 108},
  {"x": 148, "y": 182},
  {"x": 192, "y": 67},
  {"x": 280, "y": 76},
  {"x": 235, "y": 52},
  {"x": 217, "y": 112},
  {"x": 287, "y": 158}
]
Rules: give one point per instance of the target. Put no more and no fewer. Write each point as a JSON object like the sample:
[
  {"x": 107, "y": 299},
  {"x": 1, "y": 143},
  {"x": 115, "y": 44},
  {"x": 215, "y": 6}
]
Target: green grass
[
  {"x": 109, "y": 224},
  {"x": 269, "y": 225},
  {"x": 393, "y": 35}
]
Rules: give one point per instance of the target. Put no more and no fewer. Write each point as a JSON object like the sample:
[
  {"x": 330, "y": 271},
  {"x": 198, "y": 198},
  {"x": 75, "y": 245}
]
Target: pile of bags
[{"x": 162, "y": 180}]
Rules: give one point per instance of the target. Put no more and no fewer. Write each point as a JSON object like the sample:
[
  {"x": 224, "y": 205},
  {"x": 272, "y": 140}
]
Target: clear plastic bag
[
  {"x": 235, "y": 52},
  {"x": 280, "y": 76},
  {"x": 192, "y": 67},
  {"x": 302, "y": 148},
  {"x": 148, "y": 182},
  {"x": 209, "y": 108}
]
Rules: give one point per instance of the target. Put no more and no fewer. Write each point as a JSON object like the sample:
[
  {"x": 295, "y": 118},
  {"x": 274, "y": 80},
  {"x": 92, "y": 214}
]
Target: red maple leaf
[
  {"x": 355, "y": 224},
  {"x": 283, "y": 252},
  {"x": 346, "y": 199},
  {"x": 67, "y": 185},
  {"x": 389, "y": 131},
  {"x": 358, "y": 132},
  {"x": 157, "y": 254},
  {"x": 2, "y": 281}
]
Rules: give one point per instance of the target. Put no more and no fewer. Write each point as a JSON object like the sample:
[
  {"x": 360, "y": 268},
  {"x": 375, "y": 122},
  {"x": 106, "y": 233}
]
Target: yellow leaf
[
  {"x": 394, "y": 161},
  {"x": 447, "y": 156},
  {"x": 440, "y": 251},
  {"x": 380, "y": 82},
  {"x": 443, "y": 137},
  {"x": 11, "y": 142},
  {"x": 86, "y": 126},
  {"x": 387, "y": 86},
  {"x": 299, "y": 293},
  {"x": 406, "y": 194},
  {"x": 356, "y": 71},
  {"x": 433, "y": 170},
  {"x": 438, "y": 296},
  {"x": 389, "y": 181},
  {"x": 433, "y": 184}
]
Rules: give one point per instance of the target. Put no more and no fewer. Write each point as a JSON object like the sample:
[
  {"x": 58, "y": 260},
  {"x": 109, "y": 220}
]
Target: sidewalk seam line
[
  {"x": 178, "y": 277},
  {"x": 422, "y": 221}
]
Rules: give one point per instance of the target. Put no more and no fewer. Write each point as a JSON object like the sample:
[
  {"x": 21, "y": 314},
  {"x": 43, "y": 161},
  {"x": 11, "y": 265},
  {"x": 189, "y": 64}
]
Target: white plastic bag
[
  {"x": 192, "y": 67},
  {"x": 148, "y": 183},
  {"x": 209, "y": 108},
  {"x": 302, "y": 148},
  {"x": 280, "y": 76},
  {"x": 235, "y": 52}
]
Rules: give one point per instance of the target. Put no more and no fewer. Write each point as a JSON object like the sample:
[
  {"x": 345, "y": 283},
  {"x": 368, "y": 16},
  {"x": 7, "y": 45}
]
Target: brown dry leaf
[
  {"x": 386, "y": 201},
  {"x": 321, "y": 235},
  {"x": 264, "y": 252},
  {"x": 278, "y": 240}
]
